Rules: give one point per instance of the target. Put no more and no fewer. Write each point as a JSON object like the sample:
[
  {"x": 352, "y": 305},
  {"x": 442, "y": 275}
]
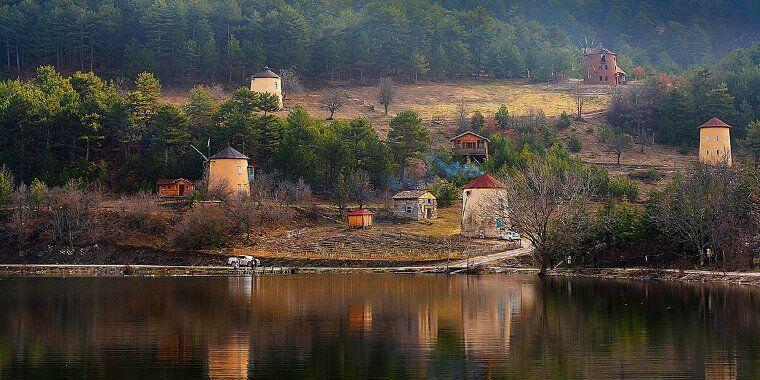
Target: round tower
[
  {"x": 485, "y": 212},
  {"x": 269, "y": 82},
  {"x": 231, "y": 167},
  {"x": 715, "y": 143}
]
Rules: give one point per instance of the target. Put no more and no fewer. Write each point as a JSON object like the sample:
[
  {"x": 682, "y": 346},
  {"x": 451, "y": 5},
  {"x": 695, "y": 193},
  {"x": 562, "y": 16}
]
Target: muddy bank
[
  {"x": 738, "y": 278},
  {"x": 110, "y": 254}
]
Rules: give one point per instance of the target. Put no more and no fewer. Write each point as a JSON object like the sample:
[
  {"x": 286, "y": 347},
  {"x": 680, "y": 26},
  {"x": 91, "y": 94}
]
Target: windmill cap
[
  {"x": 229, "y": 152},
  {"x": 714, "y": 122},
  {"x": 484, "y": 182},
  {"x": 265, "y": 72}
]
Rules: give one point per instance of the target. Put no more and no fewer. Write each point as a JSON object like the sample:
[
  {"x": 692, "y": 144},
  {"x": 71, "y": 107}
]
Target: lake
[{"x": 376, "y": 326}]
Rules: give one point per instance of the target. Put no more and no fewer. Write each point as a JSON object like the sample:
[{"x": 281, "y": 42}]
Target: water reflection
[{"x": 375, "y": 326}]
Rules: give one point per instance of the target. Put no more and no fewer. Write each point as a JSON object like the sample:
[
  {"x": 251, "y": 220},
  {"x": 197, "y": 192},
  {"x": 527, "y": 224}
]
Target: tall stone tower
[
  {"x": 267, "y": 81},
  {"x": 231, "y": 167},
  {"x": 601, "y": 67},
  {"x": 485, "y": 212},
  {"x": 715, "y": 143}
]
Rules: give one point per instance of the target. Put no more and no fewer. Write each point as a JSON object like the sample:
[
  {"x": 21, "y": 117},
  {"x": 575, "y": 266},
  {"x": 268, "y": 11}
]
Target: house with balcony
[{"x": 470, "y": 144}]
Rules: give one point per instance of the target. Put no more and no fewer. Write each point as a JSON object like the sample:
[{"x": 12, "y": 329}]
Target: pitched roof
[
  {"x": 469, "y": 133},
  {"x": 169, "y": 181},
  {"x": 714, "y": 122},
  {"x": 229, "y": 152},
  {"x": 361, "y": 212},
  {"x": 619, "y": 70},
  {"x": 265, "y": 72},
  {"x": 410, "y": 194},
  {"x": 484, "y": 182}
]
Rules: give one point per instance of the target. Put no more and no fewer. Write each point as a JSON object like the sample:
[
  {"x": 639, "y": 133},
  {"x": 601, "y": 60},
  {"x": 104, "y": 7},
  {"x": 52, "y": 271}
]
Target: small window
[
  {"x": 275, "y": 85},
  {"x": 240, "y": 169},
  {"x": 708, "y": 138},
  {"x": 717, "y": 151},
  {"x": 606, "y": 79},
  {"x": 708, "y": 152},
  {"x": 600, "y": 78},
  {"x": 408, "y": 209},
  {"x": 717, "y": 138}
]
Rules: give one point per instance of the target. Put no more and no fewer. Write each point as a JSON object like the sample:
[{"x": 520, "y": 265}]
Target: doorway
[{"x": 181, "y": 189}]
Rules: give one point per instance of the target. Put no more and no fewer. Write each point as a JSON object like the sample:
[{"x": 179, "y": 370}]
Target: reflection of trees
[{"x": 375, "y": 326}]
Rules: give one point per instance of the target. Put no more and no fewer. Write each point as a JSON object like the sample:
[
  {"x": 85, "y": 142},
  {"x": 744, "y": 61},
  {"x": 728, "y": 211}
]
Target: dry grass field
[{"x": 438, "y": 100}]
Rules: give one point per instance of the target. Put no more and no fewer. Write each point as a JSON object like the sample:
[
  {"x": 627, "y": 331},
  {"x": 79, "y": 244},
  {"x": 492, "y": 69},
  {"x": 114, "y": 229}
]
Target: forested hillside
[{"x": 225, "y": 40}]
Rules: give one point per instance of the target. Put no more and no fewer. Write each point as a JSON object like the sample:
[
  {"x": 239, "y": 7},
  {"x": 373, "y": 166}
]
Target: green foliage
[
  {"x": 502, "y": 118},
  {"x": 621, "y": 187},
  {"x": 407, "y": 137},
  {"x": 445, "y": 192},
  {"x": 6, "y": 186},
  {"x": 477, "y": 121},
  {"x": 564, "y": 121},
  {"x": 575, "y": 145},
  {"x": 753, "y": 139},
  {"x": 648, "y": 175}
]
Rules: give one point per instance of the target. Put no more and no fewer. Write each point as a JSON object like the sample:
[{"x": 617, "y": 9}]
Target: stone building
[
  {"x": 715, "y": 143},
  {"x": 231, "y": 167},
  {"x": 268, "y": 82},
  {"x": 601, "y": 67},
  {"x": 415, "y": 204},
  {"x": 485, "y": 212}
]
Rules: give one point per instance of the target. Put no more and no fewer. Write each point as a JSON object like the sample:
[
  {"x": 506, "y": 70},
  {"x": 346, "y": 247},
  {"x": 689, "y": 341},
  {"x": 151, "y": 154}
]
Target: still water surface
[{"x": 376, "y": 327}]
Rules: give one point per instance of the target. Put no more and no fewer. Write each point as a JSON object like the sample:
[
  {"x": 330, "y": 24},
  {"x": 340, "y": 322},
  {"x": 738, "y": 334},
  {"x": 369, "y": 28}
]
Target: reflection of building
[
  {"x": 484, "y": 208},
  {"x": 715, "y": 143},
  {"x": 360, "y": 317},
  {"x": 231, "y": 167},
  {"x": 721, "y": 365},
  {"x": 228, "y": 359}
]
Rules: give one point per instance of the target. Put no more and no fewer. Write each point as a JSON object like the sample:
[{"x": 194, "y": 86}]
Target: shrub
[
  {"x": 202, "y": 227},
  {"x": 564, "y": 121},
  {"x": 575, "y": 144},
  {"x": 140, "y": 212},
  {"x": 71, "y": 214},
  {"x": 445, "y": 192},
  {"x": 647, "y": 176},
  {"x": 620, "y": 187},
  {"x": 589, "y": 130}
]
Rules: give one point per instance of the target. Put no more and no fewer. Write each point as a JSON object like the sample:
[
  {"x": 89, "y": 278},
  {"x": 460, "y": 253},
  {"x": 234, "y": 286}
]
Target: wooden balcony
[{"x": 471, "y": 151}]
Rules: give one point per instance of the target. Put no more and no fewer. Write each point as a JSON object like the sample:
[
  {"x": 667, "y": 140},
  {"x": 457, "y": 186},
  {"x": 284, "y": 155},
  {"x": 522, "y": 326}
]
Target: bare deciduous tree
[
  {"x": 617, "y": 140},
  {"x": 386, "y": 93},
  {"x": 331, "y": 101},
  {"x": 291, "y": 82},
  {"x": 547, "y": 203}
]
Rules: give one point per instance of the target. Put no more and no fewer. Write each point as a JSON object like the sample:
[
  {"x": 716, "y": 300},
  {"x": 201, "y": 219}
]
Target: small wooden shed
[
  {"x": 360, "y": 218},
  {"x": 176, "y": 187}
]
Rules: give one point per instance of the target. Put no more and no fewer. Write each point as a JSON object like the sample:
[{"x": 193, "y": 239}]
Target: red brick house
[
  {"x": 601, "y": 67},
  {"x": 177, "y": 187}
]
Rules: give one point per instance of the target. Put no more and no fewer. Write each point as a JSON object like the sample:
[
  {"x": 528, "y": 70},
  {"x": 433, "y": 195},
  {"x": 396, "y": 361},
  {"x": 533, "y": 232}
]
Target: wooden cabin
[
  {"x": 177, "y": 187},
  {"x": 360, "y": 218},
  {"x": 470, "y": 144}
]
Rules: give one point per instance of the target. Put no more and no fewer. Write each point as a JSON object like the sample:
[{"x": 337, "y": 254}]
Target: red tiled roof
[
  {"x": 363, "y": 211},
  {"x": 484, "y": 182},
  {"x": 715, "y": 122}
]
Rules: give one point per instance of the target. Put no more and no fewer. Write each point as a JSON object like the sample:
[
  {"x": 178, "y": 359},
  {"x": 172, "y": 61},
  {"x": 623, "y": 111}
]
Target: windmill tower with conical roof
[
  {"x": 267, "y": 81},
  {"x": 485, "y": 212},
  {"x": 715, "y": 143}
]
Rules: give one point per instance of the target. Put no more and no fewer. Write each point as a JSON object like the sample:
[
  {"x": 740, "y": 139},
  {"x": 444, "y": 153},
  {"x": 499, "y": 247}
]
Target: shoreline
[{"x": 641, "y": 274}]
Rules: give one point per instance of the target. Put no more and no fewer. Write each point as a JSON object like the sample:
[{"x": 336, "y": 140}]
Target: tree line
[
  {"x": 669, "y": 109},
  {"x": 224, "y": 41}
]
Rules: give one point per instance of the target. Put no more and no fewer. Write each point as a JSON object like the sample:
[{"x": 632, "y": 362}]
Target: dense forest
[{"x": 224, "y": 41}]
